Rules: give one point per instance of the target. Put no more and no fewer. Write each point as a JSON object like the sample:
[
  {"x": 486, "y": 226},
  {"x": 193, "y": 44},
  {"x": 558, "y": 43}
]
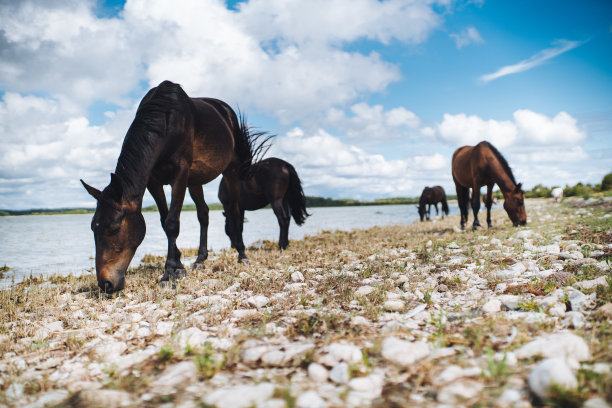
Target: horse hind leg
[
  {"x": 463, "y": 194},
  {"x": 281, "y": 210},
  {"x": 475, "y": 206},
  {"x": 489, "y": 203},
  {"x": 174, "y": 269},
  {"x": 233, "y": 218},
  {"x": 197, "y": 194}
]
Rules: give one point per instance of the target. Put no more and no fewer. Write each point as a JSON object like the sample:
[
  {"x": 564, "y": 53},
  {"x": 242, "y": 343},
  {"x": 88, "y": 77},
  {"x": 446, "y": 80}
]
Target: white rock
[
  {"x": 286, "y": 354},
  {"x": 548, "y": 372},
  {"x": 509, "y": 398},
  {"x": 174, "y": 377},
  {"x": 364, "y": 290},
  {"x": 317, "y": 373},
  {"x": 524, "y": 234},
  {"x": 310, "y": 399},
  {"x": 394, "y": 305},
  {"x": 272, "y": 403},
  {"x": 241, "y": 396},
  {"x": 564, "y": 345},
  {"x": 590, "y": 284},
  {"x": 49, "y": 329},
  {"x": 459, "y": 392},
  {"x": 96, "y": 398},
  {"x": 404, "y": 352},
  {"x": 297, "y": 277},
  {"x": 164, "y": 328},
  {"x": 596, "y": 402},
  {"x": 340, "y": 374},
  {"x": 252, "y": 354},
  {"x": 373, "y": 384},
  {"x": 574, "y": 319},
  {"x": 492, "y": 306},
  {"x": 453, "y": 372},
  {"x": 259, "y": 300},
  {"x": 558, "y": 310},
  {"x": 359, "y": 321},
  {"x": 243, "y": 314},
  {"x": 49, "y": 399},
  {"x": 14, "y": 391},
  {"x": 339, "y": 352},
  {"x": 579, "y": 301},
  {"x": 191, "y": 336},
  {"x": 510, "y": 302},
  {"x": 109, "y": 349}
]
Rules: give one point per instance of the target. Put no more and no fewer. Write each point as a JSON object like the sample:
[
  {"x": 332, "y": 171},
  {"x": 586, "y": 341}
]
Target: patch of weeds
[
  {"x": 427, "y": 297},
  {"x": 530, "y": 305},
  {"x": 285, "y": 395},
  {"x": 74, "y": 343},
  {"x": 166, "y": 353},
  {"x": 189, "y": 351},
  {"x": 475, "y": 336},
  {"x": 208, "y": 363},
  {"x": 38, "y": 345},
  {"x": 498, "y": 371},
  {"x": 593, "y": 382},
  {"x": 564, "y": 398},
  {"x": 537, "y": 287}
]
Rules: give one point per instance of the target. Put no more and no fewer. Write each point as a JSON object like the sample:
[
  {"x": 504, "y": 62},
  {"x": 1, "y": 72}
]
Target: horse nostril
[{"x": 106, "y": 286}]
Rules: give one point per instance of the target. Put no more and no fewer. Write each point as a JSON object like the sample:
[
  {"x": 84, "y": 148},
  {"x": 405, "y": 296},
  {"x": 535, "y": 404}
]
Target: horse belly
[{"x": 202, "y": 172}]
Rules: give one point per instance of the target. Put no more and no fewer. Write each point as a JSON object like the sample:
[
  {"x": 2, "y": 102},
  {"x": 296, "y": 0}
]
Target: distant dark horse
[
  {"x": 177, "y": 140},
  {"x": 275, "y": 182},
  {"x": 429, "y": 196},
  {"x": 483, "y": 165}
]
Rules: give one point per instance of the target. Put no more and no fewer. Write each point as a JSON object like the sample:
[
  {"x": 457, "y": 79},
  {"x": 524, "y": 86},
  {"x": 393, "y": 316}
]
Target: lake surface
[{"x": 64, "y": 244}]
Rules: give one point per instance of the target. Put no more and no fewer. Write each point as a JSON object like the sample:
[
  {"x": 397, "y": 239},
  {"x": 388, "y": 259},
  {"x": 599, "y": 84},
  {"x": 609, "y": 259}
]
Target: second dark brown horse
[{"x": 275, "y": 182}]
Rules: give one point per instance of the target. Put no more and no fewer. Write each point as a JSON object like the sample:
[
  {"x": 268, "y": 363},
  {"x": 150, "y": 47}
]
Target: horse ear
[
  {"x": 95, "y": 193},
  {"x": 518, "y": 187},
  {"x": 117, "y": 187}
]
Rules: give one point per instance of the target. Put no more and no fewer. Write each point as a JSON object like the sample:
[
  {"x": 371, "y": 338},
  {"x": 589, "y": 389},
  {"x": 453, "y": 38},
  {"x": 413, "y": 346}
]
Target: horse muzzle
[{"x": 108, "y": 286}]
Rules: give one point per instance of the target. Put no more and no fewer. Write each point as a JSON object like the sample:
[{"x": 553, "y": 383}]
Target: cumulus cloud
[
  {"x": 561, "y": 46},
  {"x": 326, "y": 163},
  {"x": 528, "y": 129},
  {"x": 372, "y": 123},
  {"x": 467, "y": 36}
]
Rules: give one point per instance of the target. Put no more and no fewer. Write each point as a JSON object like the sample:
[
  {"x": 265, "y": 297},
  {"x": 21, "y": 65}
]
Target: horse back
[{"x": 213, "y": 142}]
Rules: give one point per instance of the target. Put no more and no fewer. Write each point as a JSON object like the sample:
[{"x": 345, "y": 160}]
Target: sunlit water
[{"x": 63, "y": 244}]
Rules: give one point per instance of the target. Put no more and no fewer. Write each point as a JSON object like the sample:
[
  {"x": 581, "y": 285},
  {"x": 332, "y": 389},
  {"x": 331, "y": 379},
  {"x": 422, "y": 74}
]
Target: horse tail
[
  {"x": 296, "y": 197},
  {"x": 250, "y": 146}
]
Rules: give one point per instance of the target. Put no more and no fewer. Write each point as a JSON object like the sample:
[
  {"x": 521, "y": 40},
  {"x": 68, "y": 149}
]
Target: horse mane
[
  {"x": 502, "y": 161},
  {"x": 139, "y": 148},
  {"x": 251, "y": 147}
]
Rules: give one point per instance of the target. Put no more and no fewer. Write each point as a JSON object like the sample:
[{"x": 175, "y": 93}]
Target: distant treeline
[
  {"x": 577, "y": 190},
  {"x": 311, "y": 201}
]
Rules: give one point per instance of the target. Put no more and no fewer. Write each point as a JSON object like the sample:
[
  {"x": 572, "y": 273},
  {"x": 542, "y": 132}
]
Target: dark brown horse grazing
[
  {"x": 429, "y": 196},
  {"x": 275, "y": 182},
  {"x": 177, "y": 140},
  {"x": 483, "y": 165}
]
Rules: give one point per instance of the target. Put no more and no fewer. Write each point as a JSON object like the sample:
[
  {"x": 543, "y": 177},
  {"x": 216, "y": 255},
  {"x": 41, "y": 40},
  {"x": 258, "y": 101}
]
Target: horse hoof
[
  {"x": 244, "y": 260},
  {"x": 198, "y": 265},
  {"x": 175, "y": 274}
]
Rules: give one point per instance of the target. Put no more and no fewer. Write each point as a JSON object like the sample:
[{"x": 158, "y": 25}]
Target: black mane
[
  {"x": 149, "y": 126},
  {"x": 502, "y": 161}
]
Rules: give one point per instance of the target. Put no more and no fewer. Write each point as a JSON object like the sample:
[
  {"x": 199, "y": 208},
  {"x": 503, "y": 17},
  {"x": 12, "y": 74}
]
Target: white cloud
[
  {"x": 535, "y": 60},
  {"x": 372, "y": 123},
  {"x": 326, "y": 163},
  {"x": 528, "y": 130},
  {"x": 467, "y": 36}
]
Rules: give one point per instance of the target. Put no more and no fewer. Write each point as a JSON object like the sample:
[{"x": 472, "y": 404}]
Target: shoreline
[{"x": 416, "y": 314}]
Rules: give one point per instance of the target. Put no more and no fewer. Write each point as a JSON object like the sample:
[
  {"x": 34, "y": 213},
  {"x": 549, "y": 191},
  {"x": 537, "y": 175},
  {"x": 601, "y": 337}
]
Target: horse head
[
  {"x": 118, "y": 227},
  {"x": 514, "y": 205},
  {"x": 421, "y": 210}
]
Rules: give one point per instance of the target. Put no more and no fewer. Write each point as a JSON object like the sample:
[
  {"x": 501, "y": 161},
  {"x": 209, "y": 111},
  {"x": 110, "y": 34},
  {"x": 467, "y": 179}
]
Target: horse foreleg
[
  {"x": 463, "y": 194},
  {"x": 157, "y": 191},
  {"x": 197, "y": 194},
  {"x": 174, "y": 268},
  {"x": 475, "y": 206},
  {"x": 489, "y": 203},
  {"x": 233, "y": 218},
  {"x": 436, "y": 207},
  {"x": 283, "y": 216}
]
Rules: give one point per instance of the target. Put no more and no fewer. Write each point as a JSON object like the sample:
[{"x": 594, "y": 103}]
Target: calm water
[{"x": 63, "y": 244}]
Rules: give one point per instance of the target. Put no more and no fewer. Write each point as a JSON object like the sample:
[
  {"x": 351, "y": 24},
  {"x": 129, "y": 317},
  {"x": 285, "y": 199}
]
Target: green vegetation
[{"x": 578, "y": 190}]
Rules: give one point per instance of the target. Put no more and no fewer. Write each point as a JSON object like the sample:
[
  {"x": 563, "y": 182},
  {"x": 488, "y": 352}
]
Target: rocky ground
[{"x": 411, "y": 315}]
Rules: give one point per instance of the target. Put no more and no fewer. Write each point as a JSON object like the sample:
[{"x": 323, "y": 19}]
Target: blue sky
[{"x": 368, "y": 98}]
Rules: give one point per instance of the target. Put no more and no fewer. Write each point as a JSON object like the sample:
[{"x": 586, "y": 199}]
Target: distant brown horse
[
  {"x": 275, "y": 182},
  {"x": 483, "y": 165},
  {"x": 177, "y": 140},
  {"x": 429, "y": 196}
]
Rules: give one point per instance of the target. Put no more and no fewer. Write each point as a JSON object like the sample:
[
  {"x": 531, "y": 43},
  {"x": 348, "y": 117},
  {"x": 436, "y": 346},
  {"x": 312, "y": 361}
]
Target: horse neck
[
  {"x": 503, "y": 180},
  {"x": 134, "y": 167}
]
